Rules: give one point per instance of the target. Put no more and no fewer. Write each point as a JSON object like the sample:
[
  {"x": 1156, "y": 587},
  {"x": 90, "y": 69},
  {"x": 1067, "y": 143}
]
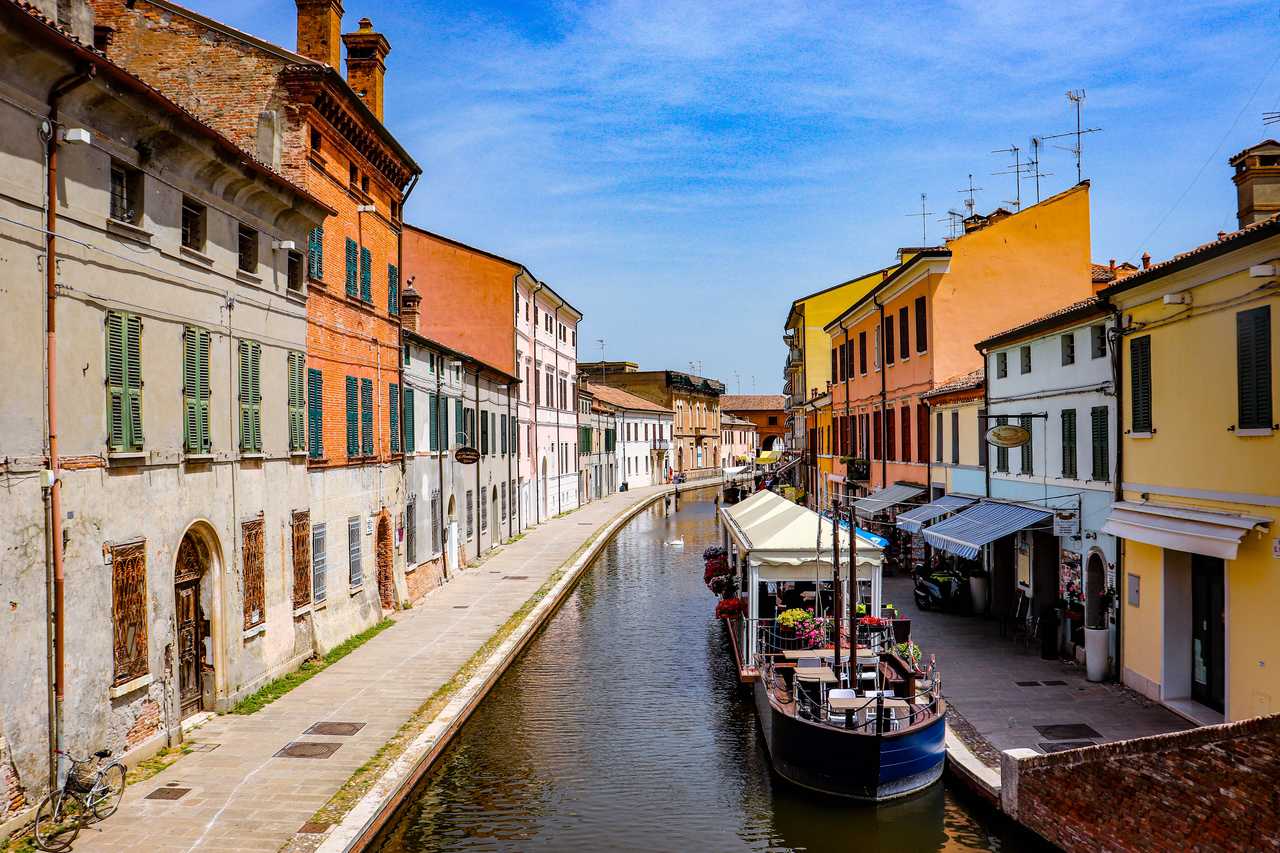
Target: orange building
[
  {"x": 768, "y": 413},
  {"x": 919, "y": 325}
]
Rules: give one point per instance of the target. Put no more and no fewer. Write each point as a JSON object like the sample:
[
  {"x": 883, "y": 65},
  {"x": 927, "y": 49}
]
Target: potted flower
[
  {"x": 814, "y": 632},
  {"x": 789, "y": 620},
  {"x": 729, "y": 607},
  {"x": 888, "y": 611}
]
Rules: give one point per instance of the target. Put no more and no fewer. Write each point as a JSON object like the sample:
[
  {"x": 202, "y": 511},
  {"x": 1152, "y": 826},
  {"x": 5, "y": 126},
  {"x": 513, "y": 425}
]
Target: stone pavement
[
  {"x": 242, "y": 797},
  {"x": 980, "y": 675}
]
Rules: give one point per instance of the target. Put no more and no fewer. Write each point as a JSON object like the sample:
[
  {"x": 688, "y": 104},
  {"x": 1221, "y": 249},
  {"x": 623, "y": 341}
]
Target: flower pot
[
  {"x": 901, "y": 630},
  {"x": 1096, "y": 653},
  {"x": 978, "y": 593}
]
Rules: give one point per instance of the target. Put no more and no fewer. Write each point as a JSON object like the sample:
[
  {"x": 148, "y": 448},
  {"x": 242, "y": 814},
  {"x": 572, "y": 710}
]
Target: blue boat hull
[{"x": 845, "y": 763}]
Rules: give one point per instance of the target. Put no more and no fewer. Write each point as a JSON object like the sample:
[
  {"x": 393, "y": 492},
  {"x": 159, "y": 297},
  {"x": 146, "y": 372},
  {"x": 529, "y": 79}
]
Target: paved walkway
[
  {"x": 241, "y": 797},
  {"x": 980, "y": 675}
]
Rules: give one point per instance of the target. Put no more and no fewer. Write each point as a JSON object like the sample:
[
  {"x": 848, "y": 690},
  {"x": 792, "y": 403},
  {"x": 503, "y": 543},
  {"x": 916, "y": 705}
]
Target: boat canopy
[
  {"x": 914, "y": 519},
  {"x": 965, "y": 533},
  {"x": 887, "y": 498},
  {"x": 787, "y": 541}
]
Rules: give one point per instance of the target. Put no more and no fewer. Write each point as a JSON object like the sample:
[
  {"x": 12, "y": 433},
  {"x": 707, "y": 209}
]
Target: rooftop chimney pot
[
  {"x": 319, "y": 31},
  {"x": 367, "y": 51},
  {"x": 1146, "y": 260}
]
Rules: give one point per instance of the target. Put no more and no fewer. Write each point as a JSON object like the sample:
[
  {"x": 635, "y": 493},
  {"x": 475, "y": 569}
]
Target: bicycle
[{"x": 86, "y": 794}]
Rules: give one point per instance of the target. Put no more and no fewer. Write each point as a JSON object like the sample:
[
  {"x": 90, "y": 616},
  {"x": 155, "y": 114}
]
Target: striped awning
[
  {"x": 912, "y": 520},
  {"x": 885, "y": 499},
  {"x": 965, "y": 533},
  {"x": 1213, "y": 534}
]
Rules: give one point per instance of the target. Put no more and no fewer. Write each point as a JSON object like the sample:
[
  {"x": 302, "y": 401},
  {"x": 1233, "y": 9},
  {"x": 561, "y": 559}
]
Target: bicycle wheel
[
  {"x": 107, "y": 791},
  {"x": 58, "y": 819}
]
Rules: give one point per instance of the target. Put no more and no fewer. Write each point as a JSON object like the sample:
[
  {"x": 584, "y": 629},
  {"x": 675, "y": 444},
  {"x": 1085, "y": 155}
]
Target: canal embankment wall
[
  {"x": 1209, "y": 788},
  {"x": 369, "y": 815}
]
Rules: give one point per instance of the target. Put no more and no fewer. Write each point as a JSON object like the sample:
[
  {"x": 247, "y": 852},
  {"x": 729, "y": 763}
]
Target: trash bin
[
  {"x": 623, "y": 487},
  {"x": 1096, "y": 653}
]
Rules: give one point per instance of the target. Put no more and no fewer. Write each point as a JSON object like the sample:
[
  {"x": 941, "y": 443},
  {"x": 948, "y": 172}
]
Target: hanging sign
[
  {"x": 1066, "y": 522},
  {"x": 466, "y": 455},
  {"x": 1008, "y": 435}
]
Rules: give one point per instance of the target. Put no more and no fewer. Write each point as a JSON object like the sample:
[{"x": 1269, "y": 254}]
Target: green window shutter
[
  {"x": 1101, "y": 444},
  {"x": 1069, "y": 444},
  {"x": 393, "y": 289},
  {"x": 484, "y": 433},
  {"x": 195, "y": 389},
  {"x": 1002, "y": 453},
  {"x": 1140, "y": 389},
  {"x": 366, "y": 275},
  {"x": 1025, "y": 464},
  {"x": 353, "y": 417},
  {"x": 351, "y": 267},
  {"x": 297, "y": 403},
  {"x": 124, "y": 381},
  {"x": 133, "y": 379},
  {"x": 433, "y": 419},
  {"x": 1253, "y": 368},
  {"x": 250, "y": 396},
  {"x": 202, "y": 373},
  {"x": 366, "y": 416},
  {"x": 458, "y": 425},
  {"x": 410, "y": 425},
  {"x": 315, "y": 253},
  {"x": 315, "y": 413},
  {"x": 504, "y": 435},
  {"x": 393, "y": 415}
]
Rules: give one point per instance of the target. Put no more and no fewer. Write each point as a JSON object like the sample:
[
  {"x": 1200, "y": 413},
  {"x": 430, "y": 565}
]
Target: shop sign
[
  {"x": 1066, "y": 522},
  {"x": 1008, "y": 435},
  {"x": 466, "y": 455}
]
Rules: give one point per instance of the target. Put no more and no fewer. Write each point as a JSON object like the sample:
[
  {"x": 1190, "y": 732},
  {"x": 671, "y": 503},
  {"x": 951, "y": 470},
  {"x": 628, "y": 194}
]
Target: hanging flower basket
[{"x": 729, "y": 607}]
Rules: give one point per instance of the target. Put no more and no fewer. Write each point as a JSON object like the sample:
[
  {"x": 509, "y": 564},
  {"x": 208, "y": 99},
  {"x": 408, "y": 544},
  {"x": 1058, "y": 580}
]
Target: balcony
[{"x": 660, "y": 445}]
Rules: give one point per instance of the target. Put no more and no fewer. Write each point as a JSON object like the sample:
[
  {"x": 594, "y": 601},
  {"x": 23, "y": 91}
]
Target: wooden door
[
  {"x": 190, "y": 646},
  {"x": 1208, "y": 632}
]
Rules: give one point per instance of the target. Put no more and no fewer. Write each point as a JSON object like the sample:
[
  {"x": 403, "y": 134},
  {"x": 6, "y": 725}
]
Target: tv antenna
[
  {"x": 1033, "y": 164},
  {"x": 1016, "y": 170},
  {"x": 600, "y": 341},
  {"x": 924, "y": 223},
  {"x": 954, "y": 220},
  {"x": 1076, "y": 96},
  {"x": 969, "y": 202}
]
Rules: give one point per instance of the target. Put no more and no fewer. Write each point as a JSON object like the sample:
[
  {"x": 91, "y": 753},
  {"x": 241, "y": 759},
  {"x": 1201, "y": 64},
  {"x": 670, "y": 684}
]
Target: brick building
[
  {"x": 295, "y": 112},
  {"x": 767, "y": 411}
]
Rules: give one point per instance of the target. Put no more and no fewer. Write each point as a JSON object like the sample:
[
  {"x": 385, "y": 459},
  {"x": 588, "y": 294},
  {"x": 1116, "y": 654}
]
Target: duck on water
[{"x": 846, "y": 707}]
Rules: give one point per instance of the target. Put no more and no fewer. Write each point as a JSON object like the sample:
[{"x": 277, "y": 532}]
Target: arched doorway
[
  {"x": 495, "y": 520},
  {"x": 1095, "y": 584},
  {"x": 195, "y": 652},
  {"x": 773, "y": 442},
  {"x": 384, "y": 559}
]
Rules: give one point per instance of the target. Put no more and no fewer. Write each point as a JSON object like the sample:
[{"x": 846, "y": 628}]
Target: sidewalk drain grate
[
  {"x": 1055, "y": 684},
  {"x": 307, "y": 749},
  {"x": 1064, "y": 745},
  {"x": 168, "y": 794},
  {"x": 515, "y": 577},
  {"x": 337, "y": 729},
  {"x": 1027, "y": 683},
  {"x": 1068, "y": 731},
  {"x": 202, "y": 747}
]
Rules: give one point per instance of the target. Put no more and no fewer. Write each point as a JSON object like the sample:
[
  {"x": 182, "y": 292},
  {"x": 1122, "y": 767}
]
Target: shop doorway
[
  {"x": 1208, "y": 632},
  {"x": 193, "y": 629},
  {"x": 1095, "y": 584}
]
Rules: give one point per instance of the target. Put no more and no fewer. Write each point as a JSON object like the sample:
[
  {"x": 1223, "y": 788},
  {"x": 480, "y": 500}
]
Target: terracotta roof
[
  {"x": 623, "y": 399},
  {"x": 1225, "y": 243},
  {"x": 1085, "y": 308},
  {"x": 967, "y": 382},
  {"x": 1233, "y": 158},
  {"x": 730, "y": 420},
  {"x": 752, "y": 402}
]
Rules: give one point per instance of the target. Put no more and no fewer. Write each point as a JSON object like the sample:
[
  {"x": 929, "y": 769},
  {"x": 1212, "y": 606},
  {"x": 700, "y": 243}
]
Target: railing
[{"x": 661, "y": 444}]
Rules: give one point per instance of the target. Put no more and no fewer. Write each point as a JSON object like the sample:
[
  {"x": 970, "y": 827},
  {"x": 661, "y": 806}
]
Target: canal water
[{"x": 621, "y": 728}]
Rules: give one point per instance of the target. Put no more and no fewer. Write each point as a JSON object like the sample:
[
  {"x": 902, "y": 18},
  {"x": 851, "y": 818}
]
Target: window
[
  {"x": 195, "y": 390},
  {"x": 503, "y": 433},
  {"x": 126, "y": 193},
  {"x": 862, "y": 353},
  {"x": 366, "y": 417},
  {"x": 1253, "y": 368},
  {"x": 1024, "y": 354},
  {"x": 301, "y": 536},
  {"x": 435, "y": 521},
  {"x": 315, "y": 253},
  {"x": 435, "y": 409},
  {"x": 890, "y": 450},
  {"x": 409, "y": 422},
  {"x": 937, "y": 440},
  {"x": 1002, "y": 365},
  {"x": 353, "y": 174},
  {"x": 982, "y": 437},
  {"x": 247, "y": 248},
  {"x": 250, "y": 396},
  {"x": 1101, "y": 423},
  {"x": 1069, "y": 471},
  {"x": 904, "y": 334},
  {"x": 251, "y": 546},
  {"x": 906, "y": 435},
  {"x": 297, "y": 402},
  {"x": 393, "y": 415},
  {"x": 364, "y": 184},
  {"x": 1002, "y": 453},
  {"x": 888, "y": 341},
  {"x": 366, "y": 275},
  {"x": 355, "y": 561},
  {"x": 129, "y": 612},
  {"x": 315, "y": 140},
  {"x": 124, "y": 381},
  {"x": 484, "y": 513},
  {"x": 393, "y": 289},
  {"x": 315, "y": 413},
  {"x": 484, "y": 440},
  {"x": 353, "y": 253},
  {"x": 772, "y": 421},
  {"x": 470, "y": 516},
  {"x": 955, "y": 437},
  {"x": 293, "y": 271},
  {"x": 318, "y": 563},
  {"x": 513, "y": 500},
  {"x": 194, "y": 215},
  {"x": 922, "y": 326},
  {"x": 411, "y": 533},
  {"x": 504, "y": 503},
  {"x": 1025, "y": 463},
  {"x": 1140, "y": 384},
  {"x": 353, "y": 417},
  {"x": 1098, "y": 340},
  {"x": 1068, "y": 348},
  {"x": 835, "y": 364}
]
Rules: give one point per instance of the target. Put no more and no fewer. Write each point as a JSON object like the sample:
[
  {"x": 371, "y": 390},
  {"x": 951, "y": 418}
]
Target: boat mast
[{"x": 836, "y": 599}]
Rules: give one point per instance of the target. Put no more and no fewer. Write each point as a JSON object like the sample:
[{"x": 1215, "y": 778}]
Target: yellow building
[
  {"x": 818, "y": 417},
  {"x": 958, "y": 452},
  {"x": 1200, "y": 517}
]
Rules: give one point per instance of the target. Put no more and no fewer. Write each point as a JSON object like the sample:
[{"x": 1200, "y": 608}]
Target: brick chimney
[
  {"x": 410, "y": 302},
  {"x": 1257, "y": 180},
  {"x": 320, "y": 31},
  {"x": 366, "y": 50}
]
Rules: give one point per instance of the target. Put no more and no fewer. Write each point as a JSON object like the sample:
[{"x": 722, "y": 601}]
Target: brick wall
[
  {"x": 1211, "y": 788},
  {"x": 146, "y": 724}
]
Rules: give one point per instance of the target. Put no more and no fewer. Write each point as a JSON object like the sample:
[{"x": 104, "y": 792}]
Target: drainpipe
[
  {"x": 845, "y": 435},
  {"x": 982, "y": 427},
  {"x": 54, "y": 492},
  {"x": 534, "y": 399},
  {"x": 442, "y": 437},
  {"x": 511, "y": 449},
  {"x": 404, "y": 465},
  {"x": 555, "y": 334},
  {"x": 1117, "y": 379},
  {"x": 475, "y": 423},
  {"x": 884, "y": 393}
]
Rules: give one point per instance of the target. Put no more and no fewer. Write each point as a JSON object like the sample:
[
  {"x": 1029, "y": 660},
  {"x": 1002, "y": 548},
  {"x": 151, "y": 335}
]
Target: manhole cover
[
  {"x": 340, "y": 729},
  {"x": 1054, "y": 683},
  {"x": 202, "y": 747},
  {"x": 1027, "y": 683},
  {"x": 308, "y": 749},
  {"x": 515, "y": 577},
  {"x": 1068, "y": 731},
  {"x": 168, "y": 794},
  {"x": 1064, "y": 745}
]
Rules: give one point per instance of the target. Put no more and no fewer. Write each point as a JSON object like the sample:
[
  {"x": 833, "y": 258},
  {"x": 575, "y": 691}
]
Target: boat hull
[{"x": 851, "y": 764}]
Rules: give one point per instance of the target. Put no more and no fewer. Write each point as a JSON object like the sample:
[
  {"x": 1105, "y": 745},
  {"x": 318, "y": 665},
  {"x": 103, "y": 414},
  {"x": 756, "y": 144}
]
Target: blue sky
[{"x": 681, "y": 171}]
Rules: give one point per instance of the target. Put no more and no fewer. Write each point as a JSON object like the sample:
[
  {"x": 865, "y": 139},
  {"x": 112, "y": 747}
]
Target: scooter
[{"x": 938, "y": 590}]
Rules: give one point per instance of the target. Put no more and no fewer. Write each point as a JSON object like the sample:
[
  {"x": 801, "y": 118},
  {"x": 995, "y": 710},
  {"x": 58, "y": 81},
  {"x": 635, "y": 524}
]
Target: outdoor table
[
  {"x": 821, "y": 674},
  {"x": 849, "y": 703},
  {"x": 801, "y": 654}
]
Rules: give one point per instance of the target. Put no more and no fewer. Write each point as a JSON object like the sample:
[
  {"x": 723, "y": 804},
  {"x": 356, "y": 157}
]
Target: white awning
[
  {"x": 887, "y": 498},
  {"x": 780, "y": 533},
  {"x": 1199, "y": 531}
]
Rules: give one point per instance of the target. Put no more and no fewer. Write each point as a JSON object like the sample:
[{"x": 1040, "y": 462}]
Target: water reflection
[{"x": 622, "y": 728}]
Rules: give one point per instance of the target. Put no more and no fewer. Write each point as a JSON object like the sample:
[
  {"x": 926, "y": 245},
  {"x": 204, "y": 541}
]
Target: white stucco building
[{"x": 644, "y": 432}]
